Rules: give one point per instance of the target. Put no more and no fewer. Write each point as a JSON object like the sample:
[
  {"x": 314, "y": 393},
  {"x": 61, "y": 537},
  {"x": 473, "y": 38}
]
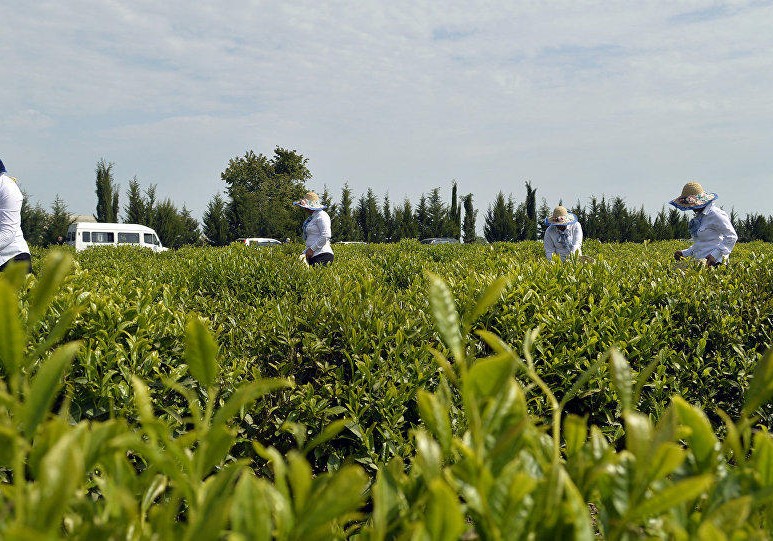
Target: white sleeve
[
  {"x": 577, "y": 244},
  {"x": 725, "y": 228},
  {"x": 550, "y": 246}
]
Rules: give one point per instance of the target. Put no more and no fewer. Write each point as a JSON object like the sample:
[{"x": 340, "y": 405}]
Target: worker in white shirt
[
  {"x": 13, "y": 247},
  {"x": 712, "y": 233},
  {"x": 563, "y": 235},
  {"x": 316, "y": 230}
]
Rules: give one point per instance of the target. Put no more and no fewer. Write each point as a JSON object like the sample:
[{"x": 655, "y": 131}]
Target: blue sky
[{"x": 580, "y": 98}]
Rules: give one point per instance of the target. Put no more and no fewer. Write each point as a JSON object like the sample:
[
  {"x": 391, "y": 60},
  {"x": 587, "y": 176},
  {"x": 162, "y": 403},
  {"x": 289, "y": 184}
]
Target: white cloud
[{"x": 580, "y": 97}]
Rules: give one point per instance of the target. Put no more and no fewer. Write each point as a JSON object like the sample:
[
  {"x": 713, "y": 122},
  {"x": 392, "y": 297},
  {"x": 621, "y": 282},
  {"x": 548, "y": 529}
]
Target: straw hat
[
  {"x": 561, "y": 216},
  {"x": 311, "y": 202},
  {"x": 693, "y": 197}
]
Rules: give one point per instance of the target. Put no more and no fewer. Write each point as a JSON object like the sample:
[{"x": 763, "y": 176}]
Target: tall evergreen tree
[
  {"x": 455, "y": 214},
  {"x": 107, "y": 193},
  {"x": 149, "y": 217},
  {"x": 500, "y": 220},
  {"x": 342, "y": 220},
  {"x": 135, "y": 208},
  {"x": 438, "y": 222},
  {"x": 406, "y": 226},
  {"x": 388, "y": 220},
  {"x": 368, "y": 217},
  {"x": 215, "y": 221},
  {"x": 468, "y": 227},
  {"x": 543, "y": 212},
  {"x": 58, "y": 221},
  {"x": 422, "y": 222},
  {"x": 530, "y": 222},
  {"x": 33, "y": 222}
]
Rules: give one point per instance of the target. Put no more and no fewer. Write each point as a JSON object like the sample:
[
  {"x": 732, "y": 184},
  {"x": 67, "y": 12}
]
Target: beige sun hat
[
  {"x": 561, "y": 216},
  {"x": 311, "y": 202},
  {"x": 693, "y": 197}
]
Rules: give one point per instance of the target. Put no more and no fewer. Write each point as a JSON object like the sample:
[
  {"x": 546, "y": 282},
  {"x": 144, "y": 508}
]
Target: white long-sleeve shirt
[
  {"x": 712, "y": 234},
  {"x": 12, "y": 241},
  {"x": 318, "y": 233},
  {"x": 572, "y": 243}
]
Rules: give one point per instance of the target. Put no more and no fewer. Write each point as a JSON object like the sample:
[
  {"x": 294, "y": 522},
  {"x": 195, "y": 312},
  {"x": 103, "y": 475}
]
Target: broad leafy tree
[{"x": 261, "y": 191}]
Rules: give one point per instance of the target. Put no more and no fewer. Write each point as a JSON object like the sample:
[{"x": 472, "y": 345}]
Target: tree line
[{"x": 258, "y": 190}]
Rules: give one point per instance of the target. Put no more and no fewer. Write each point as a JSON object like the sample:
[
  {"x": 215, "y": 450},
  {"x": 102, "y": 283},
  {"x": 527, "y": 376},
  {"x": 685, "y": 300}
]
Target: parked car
[
  {"x": 81, "y": 235},
  {"x": 440, "y": 240},
  {"x": 258, "y": 241}
]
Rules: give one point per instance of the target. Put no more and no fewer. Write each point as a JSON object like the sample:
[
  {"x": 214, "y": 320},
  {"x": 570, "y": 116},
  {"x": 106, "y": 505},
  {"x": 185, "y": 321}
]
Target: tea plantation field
[{"x": 405, "y": 392}]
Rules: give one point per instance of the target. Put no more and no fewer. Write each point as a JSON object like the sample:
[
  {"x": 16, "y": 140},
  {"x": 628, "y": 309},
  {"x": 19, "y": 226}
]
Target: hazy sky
[{"x": 581, "y": 98}]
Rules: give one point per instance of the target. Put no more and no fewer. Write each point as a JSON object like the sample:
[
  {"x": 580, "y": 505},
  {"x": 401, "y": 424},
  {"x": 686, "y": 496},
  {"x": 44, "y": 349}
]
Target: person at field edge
[
  {"x": 712, "y": 233},
  {"x": 563, "y": 235},
  {"x": 316, "y": 230},
  {"x": 13, "y": 247}
]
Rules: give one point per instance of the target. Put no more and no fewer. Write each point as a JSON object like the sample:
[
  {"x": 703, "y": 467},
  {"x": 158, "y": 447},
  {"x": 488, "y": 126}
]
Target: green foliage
[
  {"x": 107, "y": 193},
  {"x": 261, "y": 191},
  {"x": 408, "y": 391}
]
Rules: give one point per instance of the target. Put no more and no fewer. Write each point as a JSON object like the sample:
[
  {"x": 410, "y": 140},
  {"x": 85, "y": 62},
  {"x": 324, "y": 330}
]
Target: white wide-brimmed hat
[
  {"x": 561, "y": 216},
  {"x": 693, "y": 197},
  {"x": 311, "y": 202}
]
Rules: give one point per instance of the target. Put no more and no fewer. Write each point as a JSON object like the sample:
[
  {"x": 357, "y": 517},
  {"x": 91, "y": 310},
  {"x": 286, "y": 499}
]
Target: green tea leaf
[
  {"x": 444, "y": 516},
  {"x": 12, "y": 337},
  {"x": 45, "y": 385},
  {"x": 575, "y": 433},
  {"x": 436, "y": 418},
  {"x": 488, "y": 376},
  {"x": 300, "y": 477},
  {"x": 56, "y": 267},
  {"x": 251, "y": 510},
  {"x": 446, "y": 317},
  {"x": 672, "y": 497},
  {"x": 762, "y": 458},
  {"x": 328, "y": 433},
  {"x": 490, "y": 296},
  {"x": 334, "y": 496},
  {"x": 201, "y": 352},
  {"x": 701, "y": 438},
  {"x": 621, "y": 378},
  {"x": 761, "y": 385},
  {"x": 246, "y": 394}
]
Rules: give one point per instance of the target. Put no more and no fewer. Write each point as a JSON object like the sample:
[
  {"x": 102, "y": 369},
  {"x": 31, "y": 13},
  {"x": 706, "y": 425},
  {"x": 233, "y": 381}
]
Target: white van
[{"x": 85, "y": 234}]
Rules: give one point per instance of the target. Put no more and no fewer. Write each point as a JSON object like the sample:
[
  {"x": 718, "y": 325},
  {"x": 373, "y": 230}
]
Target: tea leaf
[
  {"x": 436, "y": 418},
  {"x": 201, "y": 352},
  {"x": 621, "y": 378},
  {"x": 45, "y": 385},
  {"x": 446, "y": 316},
  {"x": 56, "y": 267},
  {"x": 761, "y": 386},
  {"x": 11, "y": 334}
]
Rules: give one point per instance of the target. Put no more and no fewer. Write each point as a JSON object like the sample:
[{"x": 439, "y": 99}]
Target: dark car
[{"x": 440, "y": 240}]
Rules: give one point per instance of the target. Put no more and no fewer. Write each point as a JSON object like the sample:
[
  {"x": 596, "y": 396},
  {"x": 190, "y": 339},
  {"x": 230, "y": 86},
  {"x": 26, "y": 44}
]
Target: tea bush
[{"x": 150, "y": 427}]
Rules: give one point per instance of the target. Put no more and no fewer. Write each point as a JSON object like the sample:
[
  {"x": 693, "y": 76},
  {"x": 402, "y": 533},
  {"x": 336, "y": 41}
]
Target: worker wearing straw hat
[
  {"x": 563, "y": 235},
  {"x": 712, "y": 232},
  {"x": 13, "y": 247},
  {"x": 316, "y": 230}
]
